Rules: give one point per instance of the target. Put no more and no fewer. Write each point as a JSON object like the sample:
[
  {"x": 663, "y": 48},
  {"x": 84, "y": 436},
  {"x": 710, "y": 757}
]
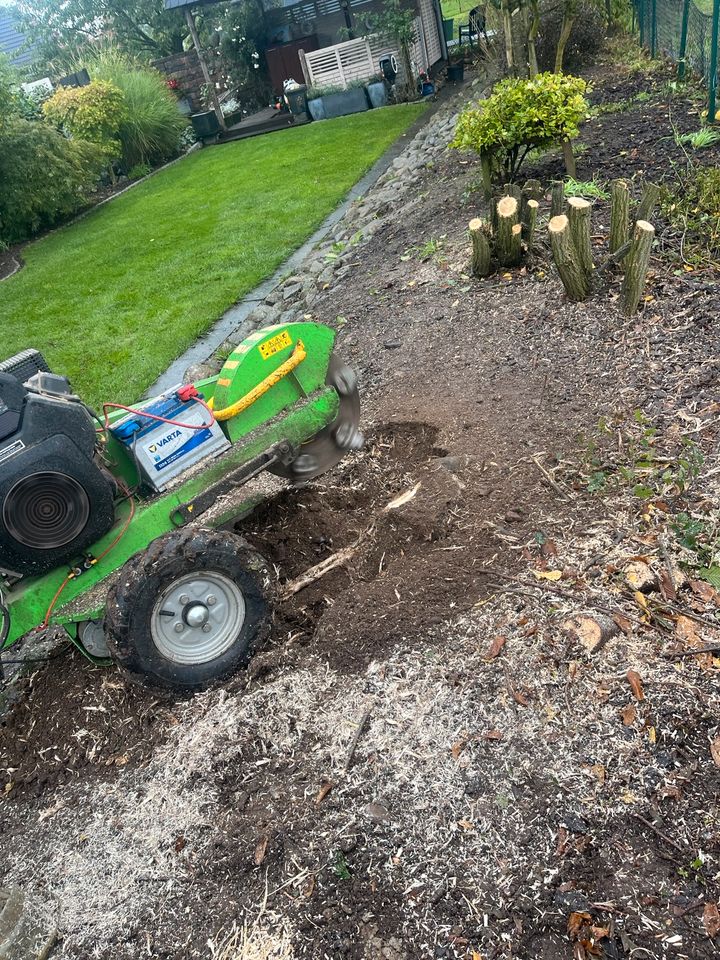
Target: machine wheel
[
  {"x": 330, "y": 445},
  {"x": 188, "y": 610}
]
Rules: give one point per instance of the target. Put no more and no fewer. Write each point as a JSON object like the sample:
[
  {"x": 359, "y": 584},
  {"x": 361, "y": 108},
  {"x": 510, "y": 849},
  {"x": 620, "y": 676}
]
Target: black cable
[{"x": 5, "y": 628}]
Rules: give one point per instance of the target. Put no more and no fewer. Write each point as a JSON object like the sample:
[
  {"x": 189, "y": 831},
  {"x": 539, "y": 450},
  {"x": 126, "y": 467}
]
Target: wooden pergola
[{"x": 187, "y": 5}]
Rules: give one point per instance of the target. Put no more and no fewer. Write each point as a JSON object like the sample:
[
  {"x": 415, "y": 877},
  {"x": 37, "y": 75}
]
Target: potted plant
[
  {"x": 351, "y": 99},
  {"x": 316, "y": 107},
  {"x": 377, "y": 90},
  {"x": 325, "y": 103}
]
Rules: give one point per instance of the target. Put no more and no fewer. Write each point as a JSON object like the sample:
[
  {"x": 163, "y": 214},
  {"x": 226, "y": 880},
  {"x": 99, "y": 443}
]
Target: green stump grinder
[{"x": 115, "y": 524}]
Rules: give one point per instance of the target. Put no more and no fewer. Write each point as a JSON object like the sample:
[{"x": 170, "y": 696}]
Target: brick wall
[{"x": 185, "y": 68}]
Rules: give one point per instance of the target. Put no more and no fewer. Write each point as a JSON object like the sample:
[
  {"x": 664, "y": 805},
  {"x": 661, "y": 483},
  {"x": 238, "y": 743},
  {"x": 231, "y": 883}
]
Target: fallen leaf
[
  {"x": 466, "y": 824},
  {"x": 598, "y": 771},
  {"x": 715, "y": 750},
  {"x": 705, "y": 591},
  {"x": 641, "y": 599},
  {"x": 548, "y": 574},
  {"x": 493, "y": 735},
  {"x": 667, "y": 587},
  {"x": 623, "y": 622},
  {"x": 520, "y": 698},
  {"x": 629, "y": 715},
  {"x": 457, "y": 748},
  {"x": 325, "y": 788},
  {"x": 575, "y": 922},
  {"x": 180, "y": 843},
  {"x": 652, "y": 735},
  {"x": 711, "y": 919},
  {"x": 685, "y": 630},
  {"x": 636, "y": 684},
  {"x": 495, "y": 647},
  {"x": 261, "y": 849}
]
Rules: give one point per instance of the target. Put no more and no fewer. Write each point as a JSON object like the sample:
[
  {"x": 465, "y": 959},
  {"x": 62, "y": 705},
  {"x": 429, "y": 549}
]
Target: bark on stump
[
  {"x": 579, "y": 216},
  {"x": 480, "y": 236},
  {"x": 648, "y": 200},
  {"x": 529, "y": 219},
  {"x": 569, "y": 158},
  {"x": 507, "y": 239},
  {"x": 557, "y": 202},
  {"x": 575, "y": 280},
  {"x": 636, "y": 264},
  {"x": 619, "y": 215}
]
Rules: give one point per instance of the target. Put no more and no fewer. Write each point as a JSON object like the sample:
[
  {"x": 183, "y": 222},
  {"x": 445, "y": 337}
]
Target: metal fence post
[
  {"x": 683, "y": 39},
  {"x": 653, "y": 28},
  {"x": 712, "y": 79},
  {"x": 641, "y": 19}
]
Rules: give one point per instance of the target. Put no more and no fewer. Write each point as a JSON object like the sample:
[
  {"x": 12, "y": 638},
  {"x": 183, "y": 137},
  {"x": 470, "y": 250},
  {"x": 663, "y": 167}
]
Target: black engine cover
[{"x": 55, "y": 498}]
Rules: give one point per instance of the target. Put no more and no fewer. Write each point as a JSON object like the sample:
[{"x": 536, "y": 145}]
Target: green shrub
[
  {"x": 522, "y": 115},
  {"x": 43, "y": 177},
  {"x": 152, "y": 128},
  {"x": 139, "y": 171},
  {"x": 93, "y": 113},
  {"x": 695, "y": 209}
]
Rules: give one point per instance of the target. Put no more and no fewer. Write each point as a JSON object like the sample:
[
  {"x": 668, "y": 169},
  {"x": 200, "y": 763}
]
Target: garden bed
[{"x": 427, "y": 760}]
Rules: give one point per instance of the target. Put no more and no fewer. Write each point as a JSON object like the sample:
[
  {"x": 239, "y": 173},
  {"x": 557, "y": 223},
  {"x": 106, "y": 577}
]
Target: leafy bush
[
  {"x": 139, "y": 171},
  {"x": 43, "y": 177},
  {"x": 151, "y": 129},
  {"x": 586, "y": 37},
  {"x": 695, "y": 209},
  {"x": 93, "y": 113},
  {"x": 522, "y": 115}
]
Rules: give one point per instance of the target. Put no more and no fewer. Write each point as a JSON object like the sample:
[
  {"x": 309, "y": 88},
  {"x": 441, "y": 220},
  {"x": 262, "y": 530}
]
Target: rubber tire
[{"x": 145, "y": 576}]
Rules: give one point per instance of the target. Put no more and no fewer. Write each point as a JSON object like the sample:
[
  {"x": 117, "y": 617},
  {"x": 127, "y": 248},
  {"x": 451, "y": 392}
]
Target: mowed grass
[{"x": 113, "y": 299}]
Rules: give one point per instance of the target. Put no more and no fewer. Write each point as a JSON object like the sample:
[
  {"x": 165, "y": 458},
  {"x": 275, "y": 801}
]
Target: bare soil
[{"x": 427, "y": 760}]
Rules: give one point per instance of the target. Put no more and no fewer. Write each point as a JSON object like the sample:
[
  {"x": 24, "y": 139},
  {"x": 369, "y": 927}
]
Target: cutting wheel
[{"x": 329, "y": 446}]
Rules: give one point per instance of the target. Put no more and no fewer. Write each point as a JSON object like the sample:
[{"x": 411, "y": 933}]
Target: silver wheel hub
[{"x": 198, "y": 617}]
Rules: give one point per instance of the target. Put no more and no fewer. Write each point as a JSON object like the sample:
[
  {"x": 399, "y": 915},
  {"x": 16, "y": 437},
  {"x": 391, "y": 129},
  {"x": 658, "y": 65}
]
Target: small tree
[
  {"x": 520, "y": 115},
  {"x": 570, "y": 12},
  {"x": 94, "y": 113},
  {"x": 398, "y": 24}
]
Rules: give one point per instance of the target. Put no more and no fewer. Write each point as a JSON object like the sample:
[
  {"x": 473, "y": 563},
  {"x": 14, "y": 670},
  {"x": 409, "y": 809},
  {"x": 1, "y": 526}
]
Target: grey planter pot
[
  {"x": 377, "y": 94},
  {"x": 346, "y": 101},
  {"x": 317, "y": 109}
]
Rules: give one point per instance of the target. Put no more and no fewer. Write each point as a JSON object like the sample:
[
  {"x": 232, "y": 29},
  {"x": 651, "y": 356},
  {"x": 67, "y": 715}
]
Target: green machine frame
[{"x": 286, "y": 411}]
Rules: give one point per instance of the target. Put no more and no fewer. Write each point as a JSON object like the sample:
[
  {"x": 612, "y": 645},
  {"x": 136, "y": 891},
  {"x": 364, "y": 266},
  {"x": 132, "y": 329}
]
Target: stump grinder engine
[{"x": 114, "y": 525}]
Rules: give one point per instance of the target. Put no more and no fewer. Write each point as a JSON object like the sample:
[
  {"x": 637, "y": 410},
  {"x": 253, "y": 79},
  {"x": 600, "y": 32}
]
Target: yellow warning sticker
[{"x": 275, "y": 345}]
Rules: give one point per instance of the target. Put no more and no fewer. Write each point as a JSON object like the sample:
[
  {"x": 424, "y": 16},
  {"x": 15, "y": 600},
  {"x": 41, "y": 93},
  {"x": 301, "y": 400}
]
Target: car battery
[{"x": 163, "y": 451}]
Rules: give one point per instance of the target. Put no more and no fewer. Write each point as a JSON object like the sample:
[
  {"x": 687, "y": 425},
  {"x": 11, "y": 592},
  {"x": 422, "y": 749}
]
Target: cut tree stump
[
  {"x": 481, "y": 236},
  {"x": 649, "y": 198},
  {"x": 529, "y": 219},
  {"x": 619, "y": 215},
  {"x": 507, "y": 239},
  {"x": 636, "y": 265},
  {"x": 574, "y": 278},
  {"x": 569, "y": 158},
  {"x": 557, "y": 202},
  {"x": 578, "y": 214}
]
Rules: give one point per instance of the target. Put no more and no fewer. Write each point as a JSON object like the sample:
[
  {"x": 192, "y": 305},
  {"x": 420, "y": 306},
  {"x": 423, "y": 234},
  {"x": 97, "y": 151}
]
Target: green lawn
[{"x": 113, "y": 299}]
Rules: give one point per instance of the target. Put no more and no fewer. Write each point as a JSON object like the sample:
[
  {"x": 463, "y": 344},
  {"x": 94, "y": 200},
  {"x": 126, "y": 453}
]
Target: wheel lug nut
[
  {"x": 211, "y": 600},
  {"x": 179, "y": 627},
  {"x": 206, "y": 628},
  {"x": 184, "y": 598}
]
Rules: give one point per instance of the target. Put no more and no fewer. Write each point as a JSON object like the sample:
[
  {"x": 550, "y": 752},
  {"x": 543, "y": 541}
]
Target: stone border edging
[{"x": 290, "y": 292}]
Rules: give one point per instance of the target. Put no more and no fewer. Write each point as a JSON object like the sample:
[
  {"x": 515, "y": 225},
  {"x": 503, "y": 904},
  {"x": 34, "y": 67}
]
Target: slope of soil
[{"x": 430, "y": 758}]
